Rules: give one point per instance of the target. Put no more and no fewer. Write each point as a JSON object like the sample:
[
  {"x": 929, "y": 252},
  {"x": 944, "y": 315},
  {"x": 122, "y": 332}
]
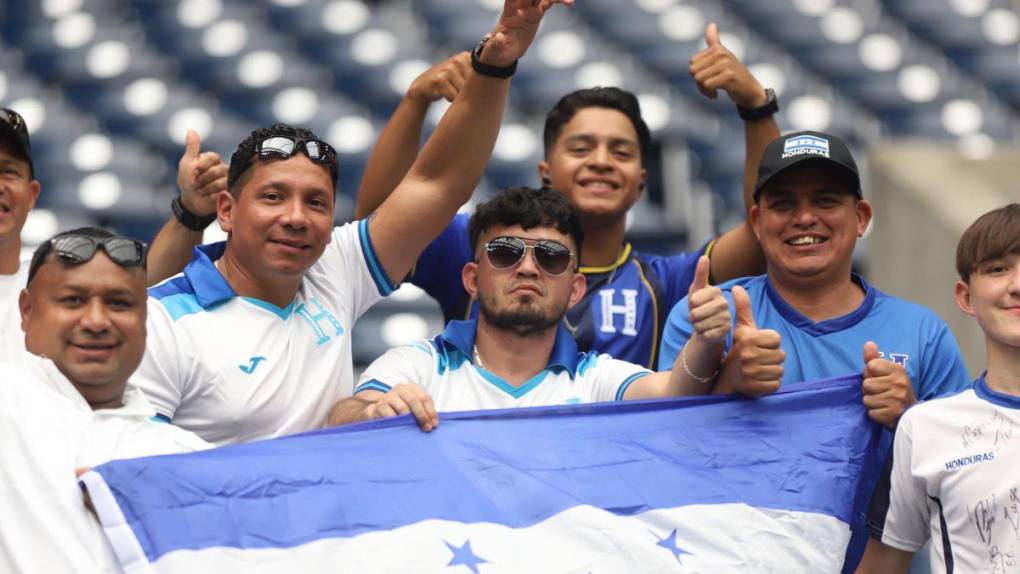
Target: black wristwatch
[
  {"x": 501, "y": 72},
  {"x": 767, "y": 110},
  {"x": 188, "y": 219}
]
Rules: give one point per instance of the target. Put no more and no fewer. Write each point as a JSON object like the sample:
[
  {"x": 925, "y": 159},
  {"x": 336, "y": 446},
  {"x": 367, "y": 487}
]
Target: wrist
[
  {"x": 763, "y": 106},
  {"x": 188, "y": 218},
  {"x": 482, "y": 64}
]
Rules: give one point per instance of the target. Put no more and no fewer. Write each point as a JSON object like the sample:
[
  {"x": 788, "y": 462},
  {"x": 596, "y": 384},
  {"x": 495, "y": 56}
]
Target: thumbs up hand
[
  {"x": 201, "y": 176},
  {"x": 716, "y": 68},
  {"x": 707, "y": 309},
  {"x": 755, "y": 363},
  {"x": 887, "y": 389}
]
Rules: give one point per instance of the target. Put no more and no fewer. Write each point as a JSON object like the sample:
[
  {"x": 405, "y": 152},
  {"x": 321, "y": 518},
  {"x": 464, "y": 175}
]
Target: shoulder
[
  {"x": 905, "y": 310},
  {"x": 928, "y": 411}
]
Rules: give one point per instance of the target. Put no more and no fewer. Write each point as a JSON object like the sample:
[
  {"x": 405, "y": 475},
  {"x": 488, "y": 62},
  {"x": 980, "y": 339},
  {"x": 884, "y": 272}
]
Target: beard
[{"x": 524, "y": 321}]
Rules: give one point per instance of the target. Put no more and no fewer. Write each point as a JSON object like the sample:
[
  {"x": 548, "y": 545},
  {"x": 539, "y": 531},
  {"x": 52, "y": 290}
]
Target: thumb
[
  {"x": 742, "y": 304},
  {"x": 712, "y": 35},
  {"x": 870, "y": 352},
  {"x": 701, "y": 275},
  {"x": 192, "y": 145}
]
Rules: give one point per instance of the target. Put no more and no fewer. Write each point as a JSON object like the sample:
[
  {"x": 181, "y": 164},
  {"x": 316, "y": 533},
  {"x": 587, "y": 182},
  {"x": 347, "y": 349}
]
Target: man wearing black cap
[
  {"x": 18, "y": 191},
  {"x": 810, "y": 317},
  {"x": 253, "y": 339}
]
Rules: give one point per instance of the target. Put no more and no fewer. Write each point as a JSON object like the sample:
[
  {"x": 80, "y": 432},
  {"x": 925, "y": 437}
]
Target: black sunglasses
[
  {"x": 284, "y": 147},
  {"x": 76, "y": 249},
  {"x": 551, "y": 256}
]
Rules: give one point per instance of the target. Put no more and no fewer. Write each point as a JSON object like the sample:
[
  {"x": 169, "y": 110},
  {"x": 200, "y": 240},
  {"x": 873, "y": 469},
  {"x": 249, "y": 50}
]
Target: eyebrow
[{"x": 592, "y": 138}]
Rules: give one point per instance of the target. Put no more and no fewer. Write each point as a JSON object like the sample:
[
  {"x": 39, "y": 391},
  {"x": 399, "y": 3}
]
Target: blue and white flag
[{"x": 705, "y": 484}]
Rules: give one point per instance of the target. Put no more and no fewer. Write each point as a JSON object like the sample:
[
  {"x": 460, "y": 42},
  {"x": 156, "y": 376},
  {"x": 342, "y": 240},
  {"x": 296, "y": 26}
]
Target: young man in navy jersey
[
  {"x": 809, "y": 317},
  {"x": 953, "y": 474},
  {"x": 596, "y": 147}
]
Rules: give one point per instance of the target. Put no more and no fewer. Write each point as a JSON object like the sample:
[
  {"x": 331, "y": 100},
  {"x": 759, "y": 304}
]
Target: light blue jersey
[{"x": 906, "y": 333}]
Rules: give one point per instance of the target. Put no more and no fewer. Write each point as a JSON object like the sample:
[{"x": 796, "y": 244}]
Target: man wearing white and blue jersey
[
  {"x": 953, "y": 476},
  {"x": 517, "y": 352},
  {"x": 596, "y": 147},
  {"x": 809, "y": 317},
  {"x": 252, "y": 340}
]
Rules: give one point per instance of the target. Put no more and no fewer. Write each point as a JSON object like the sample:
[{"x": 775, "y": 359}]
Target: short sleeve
[
  {"x": 899, "y": 508},
  {"x": 160, "y": 376},
  {"x": 350, "y": 262},
  {"x": 610, "y": 377},
  {"x": 438, "y": 271},
  {"x": 943, "y": 370},
  {"x": 409, "y": 364}
]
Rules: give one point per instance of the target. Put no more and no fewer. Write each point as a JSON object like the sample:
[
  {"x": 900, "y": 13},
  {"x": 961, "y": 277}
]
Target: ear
[
  {"x": 469, "y": 276},
  {"x": 578, "y": 287},
  {"x": 753, "y": 218},
  {"x": 25, "y": 306},
  {"x": 864, "y": 214},
  {"x": 963, "y": 298},
  {"x": 225, "y": 211},
  {"x": 543, "y": 172},
  {"x": 34, "y": 187}
]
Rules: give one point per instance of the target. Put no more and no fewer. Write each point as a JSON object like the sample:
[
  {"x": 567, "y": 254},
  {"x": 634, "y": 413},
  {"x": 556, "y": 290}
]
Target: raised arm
[
  {"x": 201, "y": 176},
  {"x": 397, "y": 146},
  {"x": 736, "y": 253},
  {"x": 453, "y": 160}
]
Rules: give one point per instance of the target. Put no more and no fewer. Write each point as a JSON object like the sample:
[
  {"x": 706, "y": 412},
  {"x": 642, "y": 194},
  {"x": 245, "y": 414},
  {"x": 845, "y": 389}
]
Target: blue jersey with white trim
[
  {"x": 621, "y": 314},
  {"x": 235, "y": 369},
  {"x": 443, "y": 367},
  {"x": 906, "y": 333}
]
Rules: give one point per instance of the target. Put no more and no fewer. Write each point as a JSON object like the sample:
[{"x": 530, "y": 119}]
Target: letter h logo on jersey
[
  {"x": 315, "y": 321},
  {"x": 611, "y": 310}
]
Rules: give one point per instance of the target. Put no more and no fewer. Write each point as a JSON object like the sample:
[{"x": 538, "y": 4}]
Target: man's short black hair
[
  {"x": 39, "y": 257},
  {"x": 529, "y": 208},
  {"x": 242, "y": 156},
  {"x": 610, "y": 98}
]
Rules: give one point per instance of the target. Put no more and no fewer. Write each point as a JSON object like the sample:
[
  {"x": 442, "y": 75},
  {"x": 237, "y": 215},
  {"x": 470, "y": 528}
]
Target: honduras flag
[{"x": 704, "y": 484}]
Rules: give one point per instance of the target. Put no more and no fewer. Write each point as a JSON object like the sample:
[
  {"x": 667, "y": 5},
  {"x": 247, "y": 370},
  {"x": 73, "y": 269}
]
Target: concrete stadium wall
[{"x": 925, "y": 196}]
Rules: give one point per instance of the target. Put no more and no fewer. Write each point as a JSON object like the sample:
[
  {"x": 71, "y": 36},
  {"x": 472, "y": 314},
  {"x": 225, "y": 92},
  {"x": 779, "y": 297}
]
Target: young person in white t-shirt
[
  {"x": 65, "y": 404},
  {"x": 519, "y": 352},
  {"x": 954, "y": 475}
]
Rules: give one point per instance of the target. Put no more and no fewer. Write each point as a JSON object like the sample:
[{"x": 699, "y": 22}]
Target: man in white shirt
[
  {"x": 65, "y": 404},
  {"x": 253, "y": 339},
  {"x": 18, "y": 192},
  {"x": 518, "y": 352},
  {"x": 953, "y": 476}
]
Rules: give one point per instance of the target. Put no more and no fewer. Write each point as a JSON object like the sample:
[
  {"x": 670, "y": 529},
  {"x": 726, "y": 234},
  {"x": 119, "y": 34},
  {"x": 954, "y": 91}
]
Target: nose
[
  {"x": 295, "y": 214},
  {"x": 804, "y": 214},
  {"x": 1014, "y": 279},
  {"x": 528, "y": 267},
  {"x": 600, "y": 158},
  {"x": 95, "y": 317}
]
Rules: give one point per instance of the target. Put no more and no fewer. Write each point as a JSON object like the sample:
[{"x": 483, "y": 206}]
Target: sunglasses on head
[
  {"x": 77, "y": 249},
  {"x": 551, "y": 256},
  {"x": 283, "y": 147}
]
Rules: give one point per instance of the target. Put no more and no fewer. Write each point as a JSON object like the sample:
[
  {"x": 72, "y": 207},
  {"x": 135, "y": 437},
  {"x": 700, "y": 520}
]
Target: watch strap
[
  {"x": 188, "y": 219},
  {"x": 501, "y": 72},
  {"x": 767, "y": 110}
]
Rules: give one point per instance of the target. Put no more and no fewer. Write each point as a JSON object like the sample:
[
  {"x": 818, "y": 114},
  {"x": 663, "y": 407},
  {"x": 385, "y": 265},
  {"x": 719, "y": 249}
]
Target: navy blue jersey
[{"x": 622, "y": 313}]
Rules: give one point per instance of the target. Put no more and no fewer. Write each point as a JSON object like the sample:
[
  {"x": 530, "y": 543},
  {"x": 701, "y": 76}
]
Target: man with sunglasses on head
[
  {"x": 252, "y": 340},
  {"x": 66, "y": 405},
  {"x": 518, "y": 352},
  {"x": 18, "y": 193}
]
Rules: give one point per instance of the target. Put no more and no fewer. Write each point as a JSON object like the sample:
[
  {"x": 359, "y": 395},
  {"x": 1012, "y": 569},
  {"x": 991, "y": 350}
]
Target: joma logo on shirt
[{"x": 957, "y": 463}]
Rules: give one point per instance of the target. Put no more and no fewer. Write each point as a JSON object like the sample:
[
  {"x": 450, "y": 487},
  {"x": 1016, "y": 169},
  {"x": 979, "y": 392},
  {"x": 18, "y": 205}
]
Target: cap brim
[{"x": 800, "y": 161}]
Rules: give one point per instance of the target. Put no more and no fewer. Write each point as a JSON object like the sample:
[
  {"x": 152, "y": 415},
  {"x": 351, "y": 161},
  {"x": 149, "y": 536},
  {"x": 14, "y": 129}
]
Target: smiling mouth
[
  {"x": 290, "y": 244},
  {"x": 599, "y": 185},
  {"x": 806, "y": 240}
]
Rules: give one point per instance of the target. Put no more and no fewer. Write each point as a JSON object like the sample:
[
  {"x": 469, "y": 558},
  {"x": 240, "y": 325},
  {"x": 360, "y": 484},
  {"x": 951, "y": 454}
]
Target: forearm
[
  {"x": 392, "y": 156},
  {"x": 170, "y": 251},
  {"x": 349, "y": 410},
  {"x": 696, "y": 367},
  {"x": 757, "y": 135}
]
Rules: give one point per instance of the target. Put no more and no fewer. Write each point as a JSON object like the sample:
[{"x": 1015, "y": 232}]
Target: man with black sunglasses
[
  {"x": 18, "y": 192},
  {"x": 252, "y": 340},
  {"x": 518, "y": 352},
  {"x": 66, "y": 405}
]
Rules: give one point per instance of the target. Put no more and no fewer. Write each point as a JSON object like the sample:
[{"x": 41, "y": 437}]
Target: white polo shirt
[
  {"x": 12, "y": 338},
  {"x": 955, "y": 478},
  {"x": 443, "y": 367},
  {"x": 47, "y": 431},
  {"x": 235, "y": 369}
]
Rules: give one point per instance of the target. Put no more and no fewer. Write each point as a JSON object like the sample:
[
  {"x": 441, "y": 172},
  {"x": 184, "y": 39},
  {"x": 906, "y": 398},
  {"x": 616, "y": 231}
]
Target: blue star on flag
[
  {"x": 669, "y": 543},
  {"x": 464, "y": 556}
]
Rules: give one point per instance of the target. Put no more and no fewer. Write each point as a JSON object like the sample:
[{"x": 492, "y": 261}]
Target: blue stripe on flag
[{"x": 806, "y": 448}]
